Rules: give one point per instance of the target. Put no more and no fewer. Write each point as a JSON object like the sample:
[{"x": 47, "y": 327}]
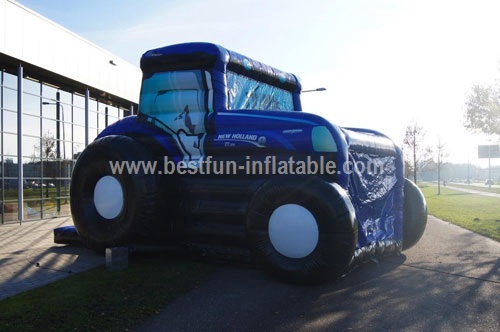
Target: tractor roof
[{"x": 213, "y": 57}]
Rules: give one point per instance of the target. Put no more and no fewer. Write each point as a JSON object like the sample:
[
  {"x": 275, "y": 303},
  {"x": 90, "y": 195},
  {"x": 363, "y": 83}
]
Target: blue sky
[{"x": 384, "y": 62}]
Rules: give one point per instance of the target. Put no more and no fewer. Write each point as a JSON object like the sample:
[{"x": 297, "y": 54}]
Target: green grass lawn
[
  {"x": 480, "y": 214},
  {"x": 99, "y": 300}
]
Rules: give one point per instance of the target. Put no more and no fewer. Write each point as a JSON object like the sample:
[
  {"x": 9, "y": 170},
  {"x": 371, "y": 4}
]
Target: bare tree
[
  {"x": 441, "y": 155},
  {"x": 413, "y": 140},
  {"x": 48, "y": 146}
]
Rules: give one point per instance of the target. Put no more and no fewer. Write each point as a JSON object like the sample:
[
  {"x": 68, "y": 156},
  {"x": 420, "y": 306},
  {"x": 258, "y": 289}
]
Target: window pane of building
[
  {"x": 49, "y": 169},
  {"x": 32, "y": 169},
  {"x": 66, "y": 150},
  {"x": 79, "y": 116},
  {"x": 93, "y": 134},
  {"x": 10, "y": 167},
  {"x": 9, "y": 144},
  {"x": 10, "y": 99},
  {"x": 77, "y": 149},
  {"x": 31, "y": 86},
  {"x": 9, "y": 122},
  {"x": 66, "y": 131},
  {"x": 49, "y": 209},
  {"x": 79, "y": 134},
  {"x": 93, "y": 119},
  {"x": 49, "y": 110},
  {"x": 102, "y": 120},
  {"x": 66, "y": 111},
  {"x": 10, "y": 208},
  {"x": 31, "y": 104},
  {"x": 10, "y": 80},
  {"x": 49, "y": 128},
  {"x": 32, "y": 208},
  {"x": 49, "y": 92},
  {"x": 65, "y": 98},
  {"x": 33, "y": 190},
  {"x": 92, "y": 105},
  {"x": 31, "y": 146},
  {"x": 112, "y": 112},
  {"x": 65, "y": 207},
  {"x": 124, "y": 113},
  {"x": 31, "y": 125},
  {"x": 78, "y": 100}
]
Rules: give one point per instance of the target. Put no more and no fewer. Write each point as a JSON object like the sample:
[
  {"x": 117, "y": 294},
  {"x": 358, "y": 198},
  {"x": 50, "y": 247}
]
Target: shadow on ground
[{"x": 388, "y": 296}]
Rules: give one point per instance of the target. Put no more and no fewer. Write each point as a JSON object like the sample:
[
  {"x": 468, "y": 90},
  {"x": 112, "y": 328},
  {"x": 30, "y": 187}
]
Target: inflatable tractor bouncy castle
[{"x": 221, "y": 159}]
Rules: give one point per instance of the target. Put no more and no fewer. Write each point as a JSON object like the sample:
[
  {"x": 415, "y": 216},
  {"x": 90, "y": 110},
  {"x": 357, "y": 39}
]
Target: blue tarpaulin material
[{"x": 375, "y": 187}]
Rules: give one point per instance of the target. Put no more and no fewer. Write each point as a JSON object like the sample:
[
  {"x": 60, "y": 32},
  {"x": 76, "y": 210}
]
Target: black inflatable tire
[
  {"x": 336, "y": 223},
  {"x": 415, "y": 214},
  {"x": 138, "y": 192}
]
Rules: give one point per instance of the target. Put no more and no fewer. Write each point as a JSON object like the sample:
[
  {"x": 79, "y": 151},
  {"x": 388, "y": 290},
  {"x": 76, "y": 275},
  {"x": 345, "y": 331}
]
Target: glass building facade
[{"x": 44, "y": 126}]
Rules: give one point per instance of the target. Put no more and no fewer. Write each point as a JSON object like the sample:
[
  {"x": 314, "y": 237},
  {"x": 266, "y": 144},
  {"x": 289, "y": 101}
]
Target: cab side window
[{"x": 245, "y": 93}]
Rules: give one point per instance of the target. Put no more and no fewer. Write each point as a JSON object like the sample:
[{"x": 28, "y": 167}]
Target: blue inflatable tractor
[{"x": 221, "y": 160}]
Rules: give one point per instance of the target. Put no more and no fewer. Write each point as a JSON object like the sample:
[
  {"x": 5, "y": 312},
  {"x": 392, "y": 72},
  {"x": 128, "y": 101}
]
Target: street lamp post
[
  {"x": 59, "y": 107},
  {"x": 314, "y": 90}
]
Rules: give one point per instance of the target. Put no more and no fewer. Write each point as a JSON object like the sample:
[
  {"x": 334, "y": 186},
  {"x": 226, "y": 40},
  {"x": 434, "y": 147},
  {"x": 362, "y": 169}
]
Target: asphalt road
[{"x": 450, "y": 281}]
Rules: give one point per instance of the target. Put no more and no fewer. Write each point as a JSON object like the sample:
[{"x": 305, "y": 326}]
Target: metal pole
[
  {"x": 468, "y": 171},
  {"x": 1, "y": 153},
  {"x": 414, "y": 155},
  {"x": 87, "y": 96},
  {"x": 58, "y": 151},
  {"x": 20, "y": 178},
  {"x": 489, "y": 169},
  {"x": 439, "y": 172},
  {"x": 42, "y": 166},
  {"x": 489, "y": 166}
]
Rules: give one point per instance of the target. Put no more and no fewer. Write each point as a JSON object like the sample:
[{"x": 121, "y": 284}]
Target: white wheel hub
[
  {"x": 108, "y": 197},
  {"x": 293, "y": 231}
]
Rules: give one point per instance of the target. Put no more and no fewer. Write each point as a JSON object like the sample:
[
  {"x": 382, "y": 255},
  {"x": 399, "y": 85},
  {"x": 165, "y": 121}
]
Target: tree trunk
[{"x": 414, "y": 159}]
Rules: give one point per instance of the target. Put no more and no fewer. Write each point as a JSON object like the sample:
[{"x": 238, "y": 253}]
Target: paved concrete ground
[
  {"x": 450, "y": 281},
  {"x": 473, "y": 191},
  {"x": 29, "y": 257}
]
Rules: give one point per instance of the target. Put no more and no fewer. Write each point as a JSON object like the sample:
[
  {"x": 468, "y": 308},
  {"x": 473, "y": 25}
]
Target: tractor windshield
[
  {"x": 177, "y": 98},
  {"x": 247, "y": 93}
]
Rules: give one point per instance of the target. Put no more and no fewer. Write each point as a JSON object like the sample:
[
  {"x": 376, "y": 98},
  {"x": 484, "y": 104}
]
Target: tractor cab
[{"x": 184, "y": 87}]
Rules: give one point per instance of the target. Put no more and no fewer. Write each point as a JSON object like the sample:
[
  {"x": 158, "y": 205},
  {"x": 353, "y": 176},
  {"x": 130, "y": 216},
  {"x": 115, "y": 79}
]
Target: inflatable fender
[
  {"x": 414, "y": 215},
  {"x": 108, "y": 208},
  {"x": 302, "y": 229}
]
